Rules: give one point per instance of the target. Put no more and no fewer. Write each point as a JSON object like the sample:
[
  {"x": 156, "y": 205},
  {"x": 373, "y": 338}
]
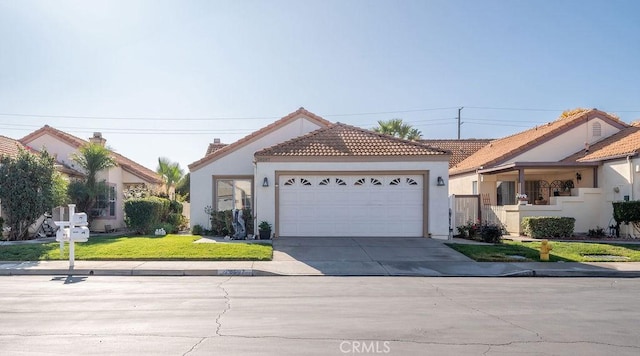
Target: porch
[{"x": 587, "y": 205}]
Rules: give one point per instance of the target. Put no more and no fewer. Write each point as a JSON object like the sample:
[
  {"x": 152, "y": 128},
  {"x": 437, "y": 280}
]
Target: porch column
[{"x": 521, "y": 180}]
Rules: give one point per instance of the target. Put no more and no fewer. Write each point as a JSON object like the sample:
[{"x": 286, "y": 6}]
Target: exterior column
[{"x": 521, "y": 180}]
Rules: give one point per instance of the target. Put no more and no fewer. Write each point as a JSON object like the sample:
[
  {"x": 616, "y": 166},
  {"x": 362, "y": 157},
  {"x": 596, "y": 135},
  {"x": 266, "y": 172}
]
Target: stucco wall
[
  {"x": 438, "y": 203},
  {"x": 238, "y": 162},
  {"x": 566, "y": 144},
  {"x": 463, "y": 184}
]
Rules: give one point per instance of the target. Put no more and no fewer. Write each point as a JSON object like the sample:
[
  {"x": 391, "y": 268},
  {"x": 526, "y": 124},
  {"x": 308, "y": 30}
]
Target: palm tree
[
  {"x": 395, "y": 127},
  {"x": 92, "y": 158},
  {"x": 170, "y": 171}
]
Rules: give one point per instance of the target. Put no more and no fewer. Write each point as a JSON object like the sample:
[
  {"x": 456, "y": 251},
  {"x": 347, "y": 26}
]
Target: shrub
[
  {"x": 548, "y": 226},
  {"x": 177, "y": 220},
  {"x": 197, "y": 230},
  {"x": 491, "y": 233},
  {"x": 597, "y": 232},
  {"x": 626, "y": 211},
  {"x": 1, "y": 222},
  {"x": 222, "y": 221},
  {"x": 168, "y": 228},
  {"x": 143, "y": 214},
  {"x": 175, "y": 207}
]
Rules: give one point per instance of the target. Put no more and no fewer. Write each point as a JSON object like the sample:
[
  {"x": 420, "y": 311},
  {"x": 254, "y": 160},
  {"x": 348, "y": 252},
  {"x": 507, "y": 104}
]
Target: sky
[{"x": 164, "y": 78}]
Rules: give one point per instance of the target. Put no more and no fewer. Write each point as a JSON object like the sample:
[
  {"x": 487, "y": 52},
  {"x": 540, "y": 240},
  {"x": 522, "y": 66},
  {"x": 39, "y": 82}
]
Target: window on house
[
  {"x": 474, "y": 187},
  {"x": 506, "y": 193},
  {"x": 105, "y": 205},
  {"x": 233, "y": 194}
]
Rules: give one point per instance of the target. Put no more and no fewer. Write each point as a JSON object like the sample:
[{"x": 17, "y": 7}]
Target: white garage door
[{"x": 350, "y": 205}]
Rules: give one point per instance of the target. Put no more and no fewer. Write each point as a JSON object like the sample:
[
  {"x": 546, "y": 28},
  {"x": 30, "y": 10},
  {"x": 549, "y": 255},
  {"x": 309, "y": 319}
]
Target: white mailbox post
[{"x": 72, "y": 231}]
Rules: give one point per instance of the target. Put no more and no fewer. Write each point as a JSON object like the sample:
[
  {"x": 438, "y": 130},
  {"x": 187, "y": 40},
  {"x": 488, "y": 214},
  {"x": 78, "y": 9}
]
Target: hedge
[
  {"x": 145, "y": 214},
  {"x": 548, "y": 226},
  {"x": 626, "y": 211}
]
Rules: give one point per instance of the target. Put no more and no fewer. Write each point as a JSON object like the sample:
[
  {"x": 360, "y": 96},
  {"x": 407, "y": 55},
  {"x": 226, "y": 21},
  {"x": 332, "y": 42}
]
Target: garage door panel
[{"x": 359, "y": 205}]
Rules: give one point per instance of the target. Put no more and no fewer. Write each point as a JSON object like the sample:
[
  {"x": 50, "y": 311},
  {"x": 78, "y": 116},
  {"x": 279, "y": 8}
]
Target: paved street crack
[
  {"x": 486, "y": 313},
  {"x": 194, "y": 346},
  {"x": 226, "y": 308}
]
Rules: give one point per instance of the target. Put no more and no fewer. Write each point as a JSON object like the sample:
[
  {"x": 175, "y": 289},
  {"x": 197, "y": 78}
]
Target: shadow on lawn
[{"x": 505, "y": 253}]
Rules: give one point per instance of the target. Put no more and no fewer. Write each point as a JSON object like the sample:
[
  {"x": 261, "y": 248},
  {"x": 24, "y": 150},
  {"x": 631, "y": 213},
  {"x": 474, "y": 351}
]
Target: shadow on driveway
[{"x": 367, "y": 255}]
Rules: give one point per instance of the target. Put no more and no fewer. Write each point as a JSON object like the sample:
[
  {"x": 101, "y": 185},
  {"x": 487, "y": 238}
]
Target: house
[
  {"x": 310, "y": 177},
  {"x": 460, "y": 148},
  {"x": 109, "y": 211},
  {"x": 574, "y": 166}
]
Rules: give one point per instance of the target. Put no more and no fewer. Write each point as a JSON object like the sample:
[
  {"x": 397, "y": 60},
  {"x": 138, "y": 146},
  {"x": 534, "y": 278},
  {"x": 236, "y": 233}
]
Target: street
[{"x": 317, "y": 316}]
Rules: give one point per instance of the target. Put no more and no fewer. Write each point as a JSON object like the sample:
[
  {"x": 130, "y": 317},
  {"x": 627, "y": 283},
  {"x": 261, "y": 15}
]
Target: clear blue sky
[{"x": 148, "y": 66}]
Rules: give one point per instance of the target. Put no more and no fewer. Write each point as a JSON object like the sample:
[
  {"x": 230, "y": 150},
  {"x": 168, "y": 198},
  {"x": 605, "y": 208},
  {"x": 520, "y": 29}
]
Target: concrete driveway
[{"x": 366, "y": 255}]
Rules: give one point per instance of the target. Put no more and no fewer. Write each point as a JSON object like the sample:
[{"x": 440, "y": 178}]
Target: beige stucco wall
[
  {"x": 438, "y": 203},
  {"x": 238, "y": 162}
]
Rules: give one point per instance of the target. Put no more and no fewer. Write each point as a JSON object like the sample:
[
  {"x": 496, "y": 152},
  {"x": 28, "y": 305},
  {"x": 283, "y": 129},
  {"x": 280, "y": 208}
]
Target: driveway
[{"x": 366, "y": 255}]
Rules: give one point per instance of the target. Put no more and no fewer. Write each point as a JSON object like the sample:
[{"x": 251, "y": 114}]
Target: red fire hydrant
[{"x": 545, "y": 247}]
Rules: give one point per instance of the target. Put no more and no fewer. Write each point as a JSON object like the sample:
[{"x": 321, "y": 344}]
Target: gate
[{"x": 464, "y": 209}]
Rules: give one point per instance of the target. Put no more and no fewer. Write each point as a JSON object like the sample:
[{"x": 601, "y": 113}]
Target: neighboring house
[
  {"x": 127, "y": 174},
  {"x": 310, "y": 177},
  {"x": 568, "y": 167},
  {"x": 460, "y": 149}
]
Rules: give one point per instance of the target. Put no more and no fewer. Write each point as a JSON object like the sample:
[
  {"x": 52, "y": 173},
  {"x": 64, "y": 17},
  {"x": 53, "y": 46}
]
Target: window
[
  {"x": 506, "y": 193},
  {"x": 233, "y": 194},
  {"x": 360, "y": 181},
  {"x": 105, "y": 206},
  {"x": 325, "y": 181},
  {"x": 375, "y": 181},
  {"x": 474, "y": 187},
  {"x": 395, "y": 181}
]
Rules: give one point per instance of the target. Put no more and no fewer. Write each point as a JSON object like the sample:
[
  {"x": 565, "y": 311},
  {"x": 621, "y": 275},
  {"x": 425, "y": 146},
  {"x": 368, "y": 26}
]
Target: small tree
[
  {"x": 92, "y": 158},
  {"x": 395, "y": 127},
  {"x": 26, "y": 183},
  {"x": 183, "y": 188},
  {"x": 170, "y": 171}
]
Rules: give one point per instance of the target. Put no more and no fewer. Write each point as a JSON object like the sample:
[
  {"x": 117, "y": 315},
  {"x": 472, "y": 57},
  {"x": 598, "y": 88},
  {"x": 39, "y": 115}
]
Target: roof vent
[{"x": 216, "y": 140}]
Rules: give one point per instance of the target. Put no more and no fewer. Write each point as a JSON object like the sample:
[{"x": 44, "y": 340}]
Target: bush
[
  {"x": 146, "y": 213},
  {"x": 168, "y": 228},
  {"x": 548, "y": 226},
  {"x": 177, "y": 220},
  {"x": 175, "y": 207},
  {"x": 197, "y": 230},
  {"x": 626, "y": 211},
  {"x": 222, "y": 222},
  {"x": 491, "y": 233},
  {"x": 1, "y": 223}
]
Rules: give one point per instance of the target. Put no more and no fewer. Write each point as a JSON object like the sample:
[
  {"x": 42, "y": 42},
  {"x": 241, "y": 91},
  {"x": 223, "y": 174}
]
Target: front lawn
[
  {"x": 169, "y": 247},
  {"x": 562, "y": 251}
]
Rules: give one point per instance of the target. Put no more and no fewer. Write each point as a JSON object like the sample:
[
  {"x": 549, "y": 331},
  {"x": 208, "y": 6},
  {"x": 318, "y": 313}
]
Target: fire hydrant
[{"x": 545, "y": 247}]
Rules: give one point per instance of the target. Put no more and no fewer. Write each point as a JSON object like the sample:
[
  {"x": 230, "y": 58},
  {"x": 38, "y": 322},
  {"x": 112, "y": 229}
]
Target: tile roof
[
  {"x": 124, "y": 162},
  {"x": 623, "y": 143},
  {"x": 460, "y": 149},
  {"x": 213, "y": 147},
  {"x": 502, "y": 149},
  {"x": 340, "y": 140},
  {"x": 9, "y": 146},
  {"x": 257, "y": 134}
]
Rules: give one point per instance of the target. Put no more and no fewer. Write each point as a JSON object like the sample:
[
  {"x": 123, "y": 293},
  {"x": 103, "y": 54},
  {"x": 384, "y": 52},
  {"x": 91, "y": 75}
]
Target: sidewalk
[{"x": 320, "y": 268}]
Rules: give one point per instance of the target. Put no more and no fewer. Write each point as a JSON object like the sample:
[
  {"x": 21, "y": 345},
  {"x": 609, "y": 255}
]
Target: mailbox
[
  {"x": 62, "y": 234},
  {"x": 79, "y": 234},
  {"x": 79, "y": 219}
]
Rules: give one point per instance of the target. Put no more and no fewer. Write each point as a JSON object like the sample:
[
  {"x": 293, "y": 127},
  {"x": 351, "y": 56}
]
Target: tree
[
  {"x": 26, "y": 183},
  {"x": 170, "y": 171},
  {"x": 183, "y": 188},
  {"x": 92, "y": 158},
  {"x": 395, "y": 127}
]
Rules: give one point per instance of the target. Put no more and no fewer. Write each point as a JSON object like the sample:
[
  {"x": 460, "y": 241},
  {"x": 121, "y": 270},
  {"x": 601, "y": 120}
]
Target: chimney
[
  {"x": 97, "y": 138},
  {"x": 216, "y": 140}
]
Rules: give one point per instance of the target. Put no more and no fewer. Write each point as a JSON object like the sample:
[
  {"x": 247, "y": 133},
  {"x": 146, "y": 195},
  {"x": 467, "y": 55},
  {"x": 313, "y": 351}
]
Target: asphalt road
[{"x": 318, "y": 316}]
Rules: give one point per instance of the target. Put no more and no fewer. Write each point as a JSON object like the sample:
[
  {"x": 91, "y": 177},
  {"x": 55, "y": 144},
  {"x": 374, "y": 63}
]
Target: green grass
[
  {"x": 169, "y": 247},
  {"x": 562, "y": 251}
]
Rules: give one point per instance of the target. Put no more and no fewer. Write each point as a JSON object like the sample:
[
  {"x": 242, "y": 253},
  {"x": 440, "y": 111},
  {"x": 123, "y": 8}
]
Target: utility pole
[{"x": 459, "y": 123}]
